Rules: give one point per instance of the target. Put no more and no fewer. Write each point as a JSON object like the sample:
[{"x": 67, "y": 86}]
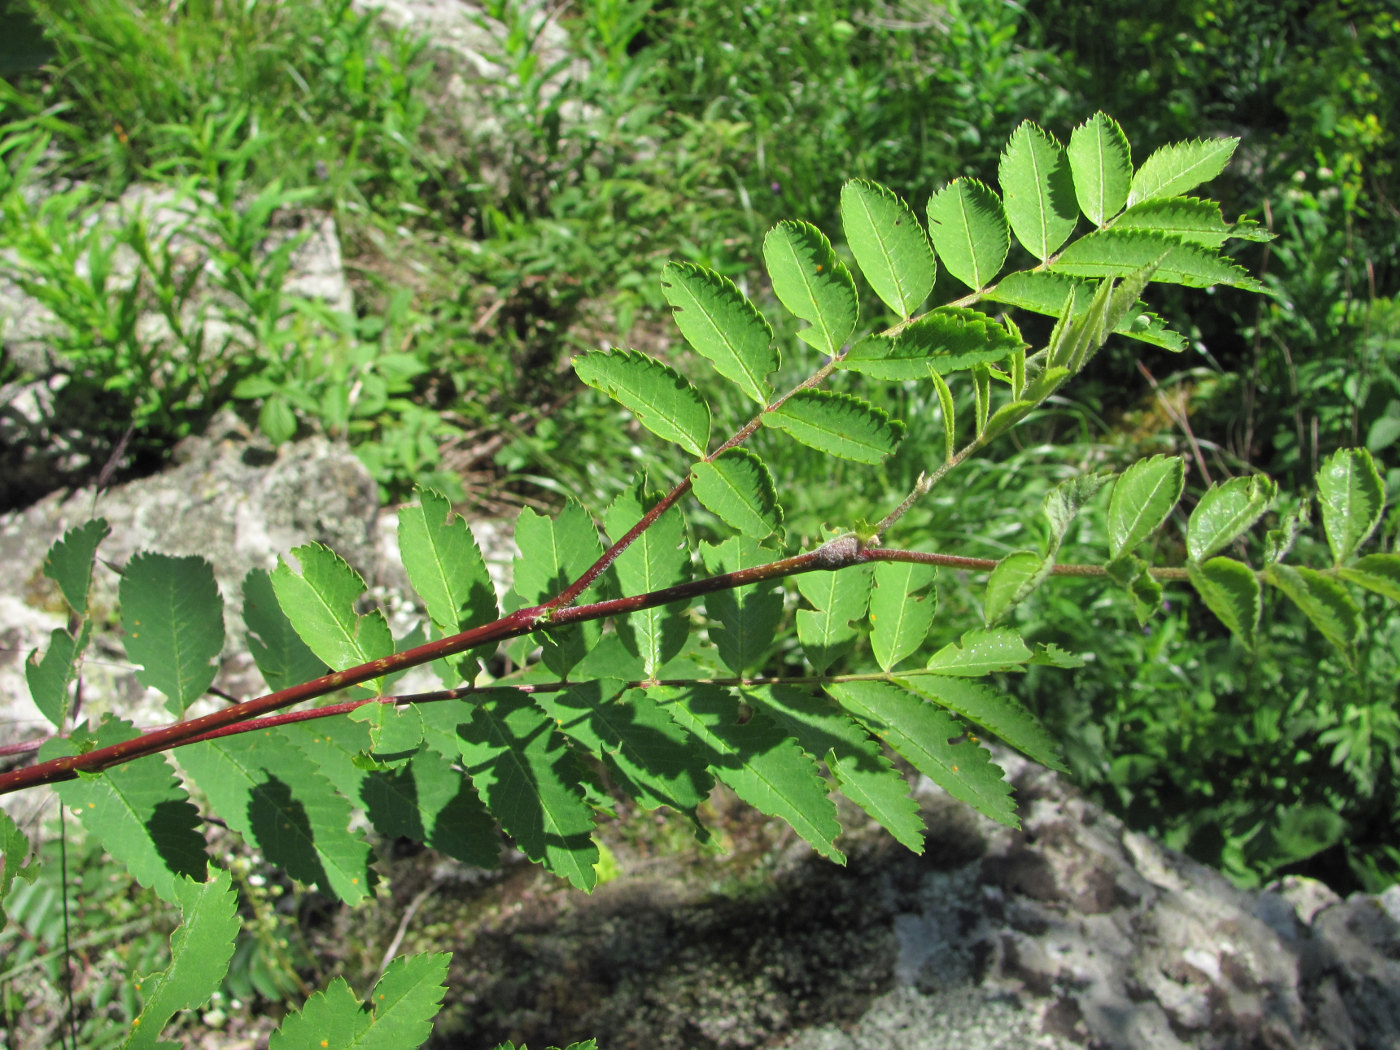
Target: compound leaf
[
  {"x": 946, "y": 340},
  {"x": 1351, "y": 496},
  {"x": 722, "y": 325},
  {"x": 444, "y": 564},
  {"x": 1045, "y": 292},
  {"x": 1225, "y": 512},
  {"x": 277, "y": 649},
  {"x": 527, "y": 779},
  {"x": 69, "y": 562},
  {"x": 1038, "y": 190},
  {"x": 837, "y": 424},
  {"x": 746, "y": 618},
  {"x": 901, "y": 610},
  {"x": 200, "y": 950},
  {"x": 320, "y": 603},
  {"x": 1142, "y": 498},
  {"x": 1180, "y": 166},
  {"x": 812, "y": 283},
  {"x": 1231, "y": 591},
  {"x": 1117, "y": 253},
  {"x": 1101, "y": 162},
  {"x": 759, "y": 762},
  {"x": 855, "y": 761},
  {"x": 969, "y": 231},
  {"x": 137, "y": 810},
  {"x": 889, "y": 245},
  {"x": 993, "y": 710},
  {"x": 737, "y": 487},
  {"x": 932, "y": 742},
  {"x": 839, "y": 598},
  {"x": 661, "y": 399},
  {"x": 263, "y": 786},
  {"x": 172, "y": 625}
]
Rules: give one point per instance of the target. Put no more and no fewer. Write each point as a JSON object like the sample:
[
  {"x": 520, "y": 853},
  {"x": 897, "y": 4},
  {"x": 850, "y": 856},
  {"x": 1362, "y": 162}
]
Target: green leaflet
[
  {"x": 528, "y": 780},
  {"x": 277, "y": 649},
  {"x": 1376, "y": 572},
  {"x": 737, "y": 487},
  {"x": 1188, "y": 219},
  {"x": 857, "y": 763},
  {"x": 49, "y": 678},
  {"x": 138, "y": 810},
  {"x": 1101, "y": 163},
  {"x": 1324, "y": 601},
  {"x": 552, "y": 554},
  {"x": 263, "y": 787},
  {"x": 722, "y": 325},
  {"x": 746, "y": 617},
  {"x": 1231, "y": 591},
  {"x": 1351, "y": 496},
  {"x": 969, "y": 231},
  {"x": 1045, "y": 292},
  {"x": 1064, "y": 502},
  {"x": 1142, "y": 498},
  {"x": 889, "y": 245},
  {"x": 812, "y": 283},
  {"x": 981, "y": 651},
  {"x": 759, "y": 762},
  {"x": 1037, "y": 190},
  {"x": 900, "y": 610},
  {"x": 993, "y": 710},
  {"x": 932, "y": 742},
  {"x": 1117, "y": 253},
  {"x": 445, "y": 565},
  {"x": 945, "y": 340},
  {"x": 838, "y": 424},
  {"x": 1013, "y": 578},
  {"x": 320, "y": 603},
  {"x": 200, "y": 951},
  {"x": 658, "y": 558},
  {"x": 1225, "y": 512},
  {"x": 69, "y": 562},
  {"x": 172, "y": 625},
  {"x": 661, "y": 399},
  {"x": 1181, "y": 166},
  {"x": 839, "y": 598},
  {"x": 399, "y": 1016},
  {"x": 647, "y": 753},
  {"x": 14, "y": 852},
  {"x": 1131, "y": 573}
]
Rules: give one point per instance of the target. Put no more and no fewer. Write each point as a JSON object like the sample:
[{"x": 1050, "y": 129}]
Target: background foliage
[{"x": 474, "y": 290}]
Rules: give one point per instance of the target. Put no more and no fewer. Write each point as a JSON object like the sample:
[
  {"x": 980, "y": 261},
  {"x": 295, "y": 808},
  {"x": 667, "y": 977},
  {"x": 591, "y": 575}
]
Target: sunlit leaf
[
  {"x": 663, "y": 401},
  {"x": 1037, "y": 190},
  {"x": 69, "y": 561},
  {"x": 657, "y": 558},
  {"x": 1117, "y": 253},
  {"x": 993, "y": 710},
  {"x": 889, "y": 245},
  {"x": 969, "y": 231},
  {"x": 277, "y": 649},
  {"x": 172, "y": 625},
  {"x": 981, "y": 651},
  {"x": 1226, "y": 511},
  {"x": 945, "y": 340},
  {"x": 901, "y": 610},
  {"x": 1351, "y": 496},
  {"x": 1324, "y": 601},
  {"x": 746, "y": 617},
  {"x": 1231, "y": 591},
  {"x": 838, "y": 424},
  {"x": 320, "y": 602},
  {"x": 722, "y": 325},
  {"x": 1376, "y": 572},
  {"x": 1142, "y": 499},
  {"x": 1181, "y": 166},
  {"x": 828, "y": 630},
  {"x": 444, "y": 564},
  {"x": 1101, "y": 162},
  {"x": 737, "y": 487},
  {"x": 1014, "y": 577},
  {"x": 812, "y": 283},
  {"x": 1045, "y": 291}
]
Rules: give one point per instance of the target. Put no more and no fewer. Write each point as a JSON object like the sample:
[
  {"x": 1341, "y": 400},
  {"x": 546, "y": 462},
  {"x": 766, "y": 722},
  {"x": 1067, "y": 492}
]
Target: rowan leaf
[
  {"x": 398, "y": 1017},
  {"x": 50, "y": 677},
  {"x": 528, "y": 780},
  {"x": 656, "y": 559},
  {"x": 1231, "y": 591},
  {"x": 1225, "y": 512},
  {"x": 902, "y": 603},
  {"x": 1351, "y": 496},
  {"x": 1014, "y": 577},
  {"x": 426, "y": 800},
  {"x": 1142, "y": 498},
  {"x": 445, "y": 565},
  {"x": 760, "y": 762},
  {"x": 1187, "y": 219},
  {"x": 1376, "y": 572},
  {"x": 837, "y": 424},
  {"x": 745, "y": 618},
  {"x": 1324, "y": 601},
  {"x": 737, "y": 487},
  {"x": 993, "y": 710},
  {"x": 1045, "y": 292},
  {"x": 1101, "y": 163},
  {"x": 828, "y": 630},
  {"x": 1180, "y": 166},
  {"x": 981, "y": 651},
  {"x": 723, "y": 326},
  {"x": 137, "y": 810},
  {"x": 263, "y": 787},
  {"x": 277, "y": 649},
  {"x": 661, "y": 399},
  {"x": 552, "y": 554},
  {"x": 946, "y": 340},
  {"x": 69, "y": 562},
  {"x": 1037, "y": 190},
  {"x": 320, "y": 603},
  {"x": 889, "y": 245},
  {"x": 932, "y": 742},
  {"x": 853, "y": 758},
  {"x": 812, "y": 283},
  {"x": 200, "y": 950},
  {"x": 15, "y": 859},
  {"x": 1117, "y": 253},
  {"x": 172, "y": 625},
  {"x": 968, "y": 227}
]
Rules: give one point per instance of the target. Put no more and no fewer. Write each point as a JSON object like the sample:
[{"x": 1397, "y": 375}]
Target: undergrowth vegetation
[{"x": 155, "y": 194}]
